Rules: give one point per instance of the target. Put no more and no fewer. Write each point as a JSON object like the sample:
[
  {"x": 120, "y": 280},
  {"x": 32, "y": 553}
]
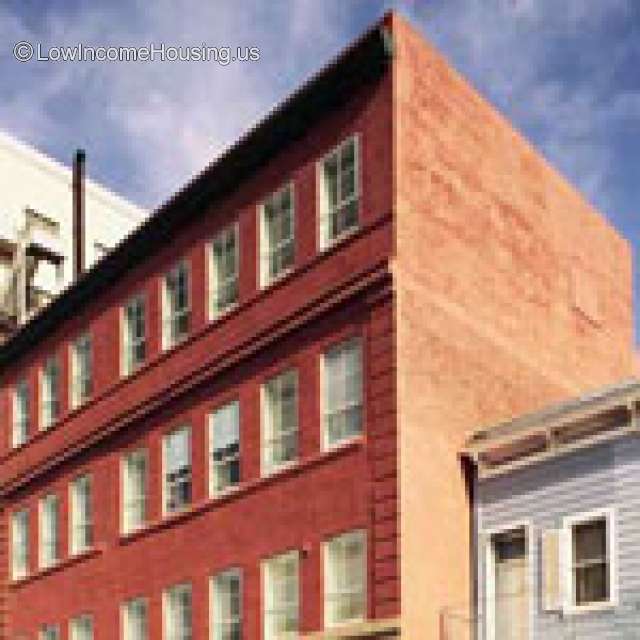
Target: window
[
  {"x": 281, "y": 597},
  {"x": 177, "y": 613},
  {"x": 227, "y": 605},
  {"x": 342, "y": 382},
  {"x": 224, "y": 271},
  {"x": 49, "y": 632},
  {"x": 277, "y": 244},
  {"x": 592, "y": 575},
  {"x": 134, "y": 337},
  {"x": 280, "y": 421},
  {"x": 81, "y": 371},
  {"x": 50, "y": 393},
  {"x": 224, "y": 439},
  {"x": 175, "y": 308},
  {"x": 81, "y": 628},
  {"x": 345, "y": 579},
  {"x": 339, "y": 192},
  {"x": 135, "y": 619},
  {"x": 177, "y": 470},
  {"x": 134, "y": 490},
  {"x": 81, "y": 515},
  {"x": 20, "y": 544},
  {"x": 20, "y": 431},
  {"x": 49, "y": 531}
]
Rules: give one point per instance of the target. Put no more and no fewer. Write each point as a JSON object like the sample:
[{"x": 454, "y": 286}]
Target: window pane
[
  {"x": 280, "y": 422},
  {"x": 135, "y": 490},
  {"x": 178, "y": 613},
  {"x": 49, "y": 535},
  {"x": 343, "y": 392},
  {"x": 135, "y": 620},
  {"x": 227, "y": 604},
  {"x": 20, "y": 414},
  {"x": 224, "y": 270},
  {"x": 82, "y": 628},
  {"x": 177, "y": 470},
  {"x": 591, "y": 562},
  {"x": 81, "y": 515},
  {"x": 134, "y": 334},
  {"x": 225, "y": 447},
  {"x": 20, "y": 544},
  {"x": 277, "y": 234},
  {"x": 281, "y": 597},
  {"x": 345, "y": 578},
  {"x": 176, "y": 310}
]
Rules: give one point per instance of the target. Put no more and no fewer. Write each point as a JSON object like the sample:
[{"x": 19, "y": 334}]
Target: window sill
[
  {"x": 596, "y": 607},
  {"x": 240, "y": 490},
  {"x": 58, "y": 566},
  {"x": 339, "y": 239},
  {"x": 362, "y": 629}
]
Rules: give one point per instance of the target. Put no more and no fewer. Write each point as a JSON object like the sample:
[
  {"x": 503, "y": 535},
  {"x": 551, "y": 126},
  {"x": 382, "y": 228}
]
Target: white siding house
[{"x": 36, "y": 217}]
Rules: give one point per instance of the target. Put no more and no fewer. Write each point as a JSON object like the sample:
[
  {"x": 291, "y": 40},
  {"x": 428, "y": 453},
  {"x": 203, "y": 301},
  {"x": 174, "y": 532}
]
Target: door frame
[{"x": 489, "y": 574}]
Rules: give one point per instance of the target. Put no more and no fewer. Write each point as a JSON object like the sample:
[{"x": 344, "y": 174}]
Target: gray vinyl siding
[{"x": 606, "y": 476}]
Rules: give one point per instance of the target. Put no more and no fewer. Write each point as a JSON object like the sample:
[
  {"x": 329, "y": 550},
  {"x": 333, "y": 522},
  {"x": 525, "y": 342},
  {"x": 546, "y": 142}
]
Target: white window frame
[
  {"x": 48, "y": 531},
  {"x": 49, "y": 632},
  {"x": 217, "y": 625},
  {"x": 324, "y": 240},
  {"x": 266, "y": 278},
  {"x": 78, "y": 521},
  {"x": 81, "y": 627},
  {"x": 170, "y": 316},
  {"x": 213, "y": 465},
  {"x": 81, "y": 370},
  {"x": 165, "y": 487},
  {"x": 20, "y": 557},
  {"x": 268, "y": 605},
  {"x": 129, "y": 343},
  {"x": 129, "y": 501},
  {"x": 329, "y": 572},
  {"x": 327, "y": 411},
  {"x": 126, "y": 613},
  {"x": 267, "y": 437},
  {"x": 216, "y": 284},
  {"x": 168, "y": 614},
  {"x": 489, "y": 573},
  {"x": 568, "y": 524},
  {"x": 21, "y": 414},
  {"x": 48, "y": 399}
]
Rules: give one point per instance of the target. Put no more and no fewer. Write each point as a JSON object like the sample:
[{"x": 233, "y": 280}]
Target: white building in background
[{"x": 37, "y": 229}]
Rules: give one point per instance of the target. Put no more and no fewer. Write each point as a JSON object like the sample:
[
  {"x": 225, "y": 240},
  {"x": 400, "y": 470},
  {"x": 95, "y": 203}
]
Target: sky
[{"x": 565, "y": 73}]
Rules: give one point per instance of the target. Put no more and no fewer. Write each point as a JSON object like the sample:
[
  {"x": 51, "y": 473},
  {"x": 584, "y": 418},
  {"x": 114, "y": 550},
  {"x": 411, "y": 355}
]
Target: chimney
[{"x": 78, "y": 214}]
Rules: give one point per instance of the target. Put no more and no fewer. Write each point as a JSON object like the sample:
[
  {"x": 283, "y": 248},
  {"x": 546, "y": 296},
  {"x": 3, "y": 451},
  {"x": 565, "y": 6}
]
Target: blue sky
[{"x": 566, "y": 73}]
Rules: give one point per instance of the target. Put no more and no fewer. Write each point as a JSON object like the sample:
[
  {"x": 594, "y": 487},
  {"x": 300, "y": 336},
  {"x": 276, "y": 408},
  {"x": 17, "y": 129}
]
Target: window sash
[
  {"x": 591, "y": 578},
  {"x": 50, "y": 402},
  {"x": 227, "y": 605},
  {"x": 224, "y": 270},
  {"x": 49, "y": 531},
  {"x": 81, "y": 515},
  {"x": 343, "y": 392},
  {"x": 82, "y": 628},
  {"x": 82, "y": 374},
  {"x": 224, "y": 439},
  {"x": 278, "y": 234},
  {"x": 177, "y": 470},
  {"x": 177, "y": 311},
  {"x": 20, "y": 430},
  {"x": 49, "y": 632},
  {"x": 135, "y": 621},
  {"x": 340, "y": 190},
  {"x": 20, "y": 544},
  {"x": 134, "y": 501},
  {"x": 178, "y": 613},
  {"x": 281, "y": 614},
  {"x": 135, "y": 340},
  {"x": 280, "y": 433},
  {"x": 345, "y": 578}
]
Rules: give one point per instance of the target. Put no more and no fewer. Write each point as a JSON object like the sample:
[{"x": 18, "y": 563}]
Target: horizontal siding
[{"x": 604, "y": 476}]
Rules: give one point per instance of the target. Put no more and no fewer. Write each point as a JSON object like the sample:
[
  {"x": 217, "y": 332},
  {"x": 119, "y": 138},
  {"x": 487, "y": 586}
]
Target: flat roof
[{"x": 363, "y": 62}]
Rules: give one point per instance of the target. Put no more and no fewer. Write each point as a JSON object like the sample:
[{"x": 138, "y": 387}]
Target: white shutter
[{"x": 551, "y": 571}]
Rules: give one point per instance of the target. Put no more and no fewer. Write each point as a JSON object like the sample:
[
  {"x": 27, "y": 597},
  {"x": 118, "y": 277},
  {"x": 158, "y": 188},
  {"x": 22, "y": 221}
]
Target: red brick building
[{"x": 246, "y": 419}]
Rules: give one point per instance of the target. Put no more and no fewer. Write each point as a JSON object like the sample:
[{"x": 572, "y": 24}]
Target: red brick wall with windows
[{"x": 328, "y": 296}]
